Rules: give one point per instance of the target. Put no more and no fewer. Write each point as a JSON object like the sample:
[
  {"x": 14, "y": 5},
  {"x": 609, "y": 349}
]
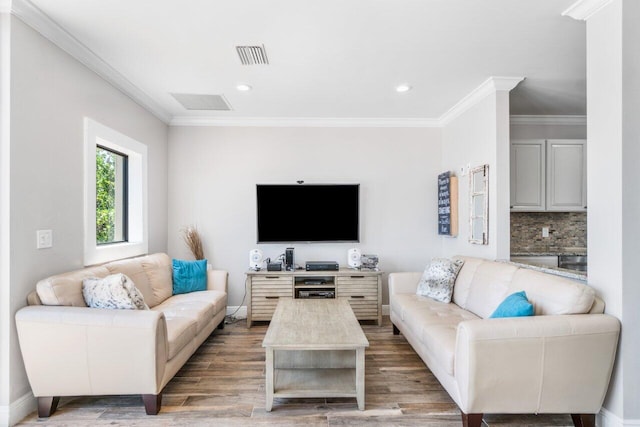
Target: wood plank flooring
[{"x": 223, "y": 385}]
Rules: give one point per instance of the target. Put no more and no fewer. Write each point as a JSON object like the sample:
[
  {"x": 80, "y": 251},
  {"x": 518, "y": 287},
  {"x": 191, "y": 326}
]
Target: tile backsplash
[{"x": 567, "y": 232}]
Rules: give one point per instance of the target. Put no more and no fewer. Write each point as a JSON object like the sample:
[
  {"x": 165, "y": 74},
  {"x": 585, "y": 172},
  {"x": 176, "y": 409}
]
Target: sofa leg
[
  {"x": 396, "y": 331},
  {"x": 584, "y": 420},
  {"x": 471, "y": 420},
  {"x": 221, "y": 324},
  {"x": 47, "y": 406},
  {"x": 152, "y": 403}
]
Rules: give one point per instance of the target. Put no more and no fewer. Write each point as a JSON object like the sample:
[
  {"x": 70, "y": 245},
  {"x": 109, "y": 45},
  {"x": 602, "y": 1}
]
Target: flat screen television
[{"x": 308, "y": 213}]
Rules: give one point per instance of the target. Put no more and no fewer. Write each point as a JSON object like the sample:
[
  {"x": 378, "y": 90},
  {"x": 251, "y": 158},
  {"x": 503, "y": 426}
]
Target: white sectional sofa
[
  {"x": 558, "y": 361},
  {"x": 70, "y": 349}
]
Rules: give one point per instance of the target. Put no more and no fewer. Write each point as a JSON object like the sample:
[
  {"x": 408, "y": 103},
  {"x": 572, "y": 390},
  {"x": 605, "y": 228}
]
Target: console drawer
[
  {"x": 266, "y": 291},
  {"x": 362, "y": 294}
]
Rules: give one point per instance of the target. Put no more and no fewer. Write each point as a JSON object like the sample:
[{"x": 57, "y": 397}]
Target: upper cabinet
[
  {"x": 548, "y": 175},
  {"x": 528, "y": 175}
]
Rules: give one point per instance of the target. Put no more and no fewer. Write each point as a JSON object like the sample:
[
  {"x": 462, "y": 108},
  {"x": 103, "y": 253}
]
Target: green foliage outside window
[{"x": 105, "y": 195}]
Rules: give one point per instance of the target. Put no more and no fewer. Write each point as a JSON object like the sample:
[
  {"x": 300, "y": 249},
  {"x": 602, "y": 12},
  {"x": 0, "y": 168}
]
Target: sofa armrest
[
  {"x": 539, "y": 364},
  {"x": 404, "y": 283},
  {"x": 70, "y": 351},
  {"x": 217, "y": 280}
]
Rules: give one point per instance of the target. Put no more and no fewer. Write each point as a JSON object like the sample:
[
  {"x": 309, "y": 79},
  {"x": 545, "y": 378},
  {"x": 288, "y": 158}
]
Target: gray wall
[
  {"x": 50, "y": 94},
  {"x": 213, "y": 174}
]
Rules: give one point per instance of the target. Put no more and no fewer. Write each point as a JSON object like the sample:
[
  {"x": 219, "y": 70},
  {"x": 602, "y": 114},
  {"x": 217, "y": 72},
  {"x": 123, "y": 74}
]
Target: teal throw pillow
[
  {"x": 189, "y": 276},
  {"x": 515, "y": 305}
]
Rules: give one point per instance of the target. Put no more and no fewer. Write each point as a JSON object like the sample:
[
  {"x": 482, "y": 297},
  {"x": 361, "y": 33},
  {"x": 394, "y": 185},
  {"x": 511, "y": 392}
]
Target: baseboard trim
[
  {"x": 237, "y": 311},
  {"x": 17, "y": 410},
  {"x": 607, "y": 418}
]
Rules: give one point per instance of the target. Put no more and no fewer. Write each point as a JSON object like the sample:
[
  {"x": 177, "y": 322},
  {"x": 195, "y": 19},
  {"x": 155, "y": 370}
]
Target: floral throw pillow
[
  {"x": 438, "y": 279},
  {"x": 114, "y": 291}
]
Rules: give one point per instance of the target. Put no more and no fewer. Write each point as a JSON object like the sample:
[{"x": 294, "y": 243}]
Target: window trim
[{"x": 97, "y": 134}]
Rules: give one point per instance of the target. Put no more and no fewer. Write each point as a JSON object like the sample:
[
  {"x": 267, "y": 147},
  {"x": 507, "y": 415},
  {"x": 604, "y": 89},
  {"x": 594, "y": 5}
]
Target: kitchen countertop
[
  {"x": 557, "y": 271},
  {"x": 556, "y": 252}
]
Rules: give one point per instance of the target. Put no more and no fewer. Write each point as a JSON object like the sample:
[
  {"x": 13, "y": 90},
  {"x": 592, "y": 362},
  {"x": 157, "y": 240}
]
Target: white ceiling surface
[{"x": 337, "y": 58}]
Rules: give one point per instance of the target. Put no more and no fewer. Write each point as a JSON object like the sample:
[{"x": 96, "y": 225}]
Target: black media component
[
  {"x": 315, "y": 293},
  {"x": 308, "y": 213},
  {"x": 322, "y": 266},
  {"x": 274, "y": 266},
  {"x": 289, "y": 264}
]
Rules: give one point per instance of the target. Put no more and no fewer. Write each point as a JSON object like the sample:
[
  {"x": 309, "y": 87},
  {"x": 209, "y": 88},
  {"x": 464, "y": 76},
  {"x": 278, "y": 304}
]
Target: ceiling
[{"x": 338, "y": 59}]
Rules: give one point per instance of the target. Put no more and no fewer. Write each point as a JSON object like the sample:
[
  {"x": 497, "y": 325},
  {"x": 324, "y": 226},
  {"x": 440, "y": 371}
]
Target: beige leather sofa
[
  {"x": 558, "y": 361},
  {"x": 70, "y": 349}
]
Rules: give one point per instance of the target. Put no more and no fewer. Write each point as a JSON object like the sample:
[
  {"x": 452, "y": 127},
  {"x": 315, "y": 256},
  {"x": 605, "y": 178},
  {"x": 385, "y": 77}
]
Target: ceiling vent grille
[
  {"x": 252, "y": 55},
  {"x": 202, "y": 102}
]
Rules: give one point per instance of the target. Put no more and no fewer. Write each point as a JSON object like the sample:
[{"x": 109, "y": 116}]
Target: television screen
[{"x": 308, "y": 213}]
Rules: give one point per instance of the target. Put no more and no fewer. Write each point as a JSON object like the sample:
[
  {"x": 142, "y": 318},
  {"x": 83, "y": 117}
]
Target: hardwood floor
[{"x": 223, "y": 385}]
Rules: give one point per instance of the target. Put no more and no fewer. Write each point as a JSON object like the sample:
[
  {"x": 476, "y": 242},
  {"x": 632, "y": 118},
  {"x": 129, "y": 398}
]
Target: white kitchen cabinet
[
  {"x": 528, "y": 180},
  {"x": 548, "y": 175},
  {"x": 566, "y": 175}
]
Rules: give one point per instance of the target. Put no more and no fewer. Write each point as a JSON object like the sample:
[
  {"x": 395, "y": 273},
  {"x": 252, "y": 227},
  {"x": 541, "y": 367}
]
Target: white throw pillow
[
  {"x": 438, "y": 279},
  {"x": 114, "y": 291}
]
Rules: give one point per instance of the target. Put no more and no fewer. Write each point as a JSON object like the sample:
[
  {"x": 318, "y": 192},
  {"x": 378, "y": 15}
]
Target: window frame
[{"x": 96, "y": 134}]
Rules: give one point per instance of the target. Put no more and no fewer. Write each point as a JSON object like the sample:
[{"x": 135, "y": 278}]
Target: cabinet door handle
[
  {"x": 357, "y": 277},
  {"x": 357, "y": 296},
  {"x": 272, "y": 277},
  {"x": 270, "y": 297}
]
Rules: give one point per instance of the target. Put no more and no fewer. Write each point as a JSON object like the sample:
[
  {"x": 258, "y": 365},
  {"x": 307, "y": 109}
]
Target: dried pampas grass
[{"x": 192, "y": 239}]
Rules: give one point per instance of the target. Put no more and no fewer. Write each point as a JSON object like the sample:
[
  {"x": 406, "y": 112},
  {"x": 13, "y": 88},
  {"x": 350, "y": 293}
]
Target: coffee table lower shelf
[{"x": 315, "y": 382}]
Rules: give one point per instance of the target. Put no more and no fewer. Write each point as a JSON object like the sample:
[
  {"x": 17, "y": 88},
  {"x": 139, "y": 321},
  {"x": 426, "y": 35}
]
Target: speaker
[
  {"x": 289, "y": 264},
  {"x": 353, "y": 257},
  {"x": 255, "y": 259}
]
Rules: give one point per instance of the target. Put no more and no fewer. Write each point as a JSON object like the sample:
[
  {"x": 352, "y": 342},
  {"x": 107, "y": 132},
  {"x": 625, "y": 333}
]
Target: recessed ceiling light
[
  {"x": 243, "y": 87},
  {"x": 403, "y": 88}
]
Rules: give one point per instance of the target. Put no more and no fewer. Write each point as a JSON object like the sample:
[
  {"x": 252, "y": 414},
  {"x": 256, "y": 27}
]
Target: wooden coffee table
[{"x": 314, "y": 348}]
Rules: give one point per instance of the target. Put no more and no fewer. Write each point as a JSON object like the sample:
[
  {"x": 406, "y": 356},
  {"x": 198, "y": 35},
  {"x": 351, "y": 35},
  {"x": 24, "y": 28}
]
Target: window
[
  {"x": 111, "y": 196},
  {"x": 115, "y": 195}
]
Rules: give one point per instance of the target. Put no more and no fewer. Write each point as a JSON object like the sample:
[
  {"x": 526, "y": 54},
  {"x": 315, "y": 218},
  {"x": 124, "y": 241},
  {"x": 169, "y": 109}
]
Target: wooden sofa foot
[
  {"x": 584, "y": 420},
  {"x": 152, "y": 403},
  {"x": 396, "y": 331},
  {"x": 47, "y": 406},
  {"x": 471, "y": 420}
]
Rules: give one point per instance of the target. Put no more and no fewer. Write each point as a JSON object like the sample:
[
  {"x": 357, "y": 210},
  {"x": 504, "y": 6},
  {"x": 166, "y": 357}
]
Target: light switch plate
[
  {"x": 45, "y": 239},
  {"x": 545, "y": 231}
]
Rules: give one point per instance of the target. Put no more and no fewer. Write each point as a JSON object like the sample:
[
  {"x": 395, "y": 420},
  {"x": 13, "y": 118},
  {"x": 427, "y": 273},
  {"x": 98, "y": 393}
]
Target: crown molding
[
  {"x": 489, "y": 86},
  {"x": 303, "y": 122},
  {"x": 564, "y": 120},
  {"x": 39, "y": 21},
  {"x": 582, "y": 10}
]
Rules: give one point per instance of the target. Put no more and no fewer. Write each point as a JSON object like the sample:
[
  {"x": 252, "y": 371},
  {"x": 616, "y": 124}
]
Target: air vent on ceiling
[
  {"x": 252, "y": 55},
  {"x": 202, "y": 102}
]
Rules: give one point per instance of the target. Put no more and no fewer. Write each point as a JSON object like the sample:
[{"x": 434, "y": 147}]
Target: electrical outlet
[
  {"x": 45, "y": 239},
  {"x": 545, "y": 231}
]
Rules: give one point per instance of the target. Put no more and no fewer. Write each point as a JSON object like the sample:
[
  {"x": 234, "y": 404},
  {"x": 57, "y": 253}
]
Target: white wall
[
  {"x": 5, "y": 148},
  {"x": 50, "y": 95},
  {"x": 213, "y": 174},
  {"x": 480, "y": 136},
  {"x": 613, "y": 153}
]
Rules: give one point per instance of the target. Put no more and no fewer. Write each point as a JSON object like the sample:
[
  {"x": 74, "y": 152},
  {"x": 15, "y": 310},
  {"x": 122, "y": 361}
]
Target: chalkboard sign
[{"x": 447, "y": 204}]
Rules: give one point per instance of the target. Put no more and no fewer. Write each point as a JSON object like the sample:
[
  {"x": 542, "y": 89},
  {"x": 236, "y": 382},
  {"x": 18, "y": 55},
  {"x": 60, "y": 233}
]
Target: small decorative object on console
[{"x": 369, "y": 261}]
